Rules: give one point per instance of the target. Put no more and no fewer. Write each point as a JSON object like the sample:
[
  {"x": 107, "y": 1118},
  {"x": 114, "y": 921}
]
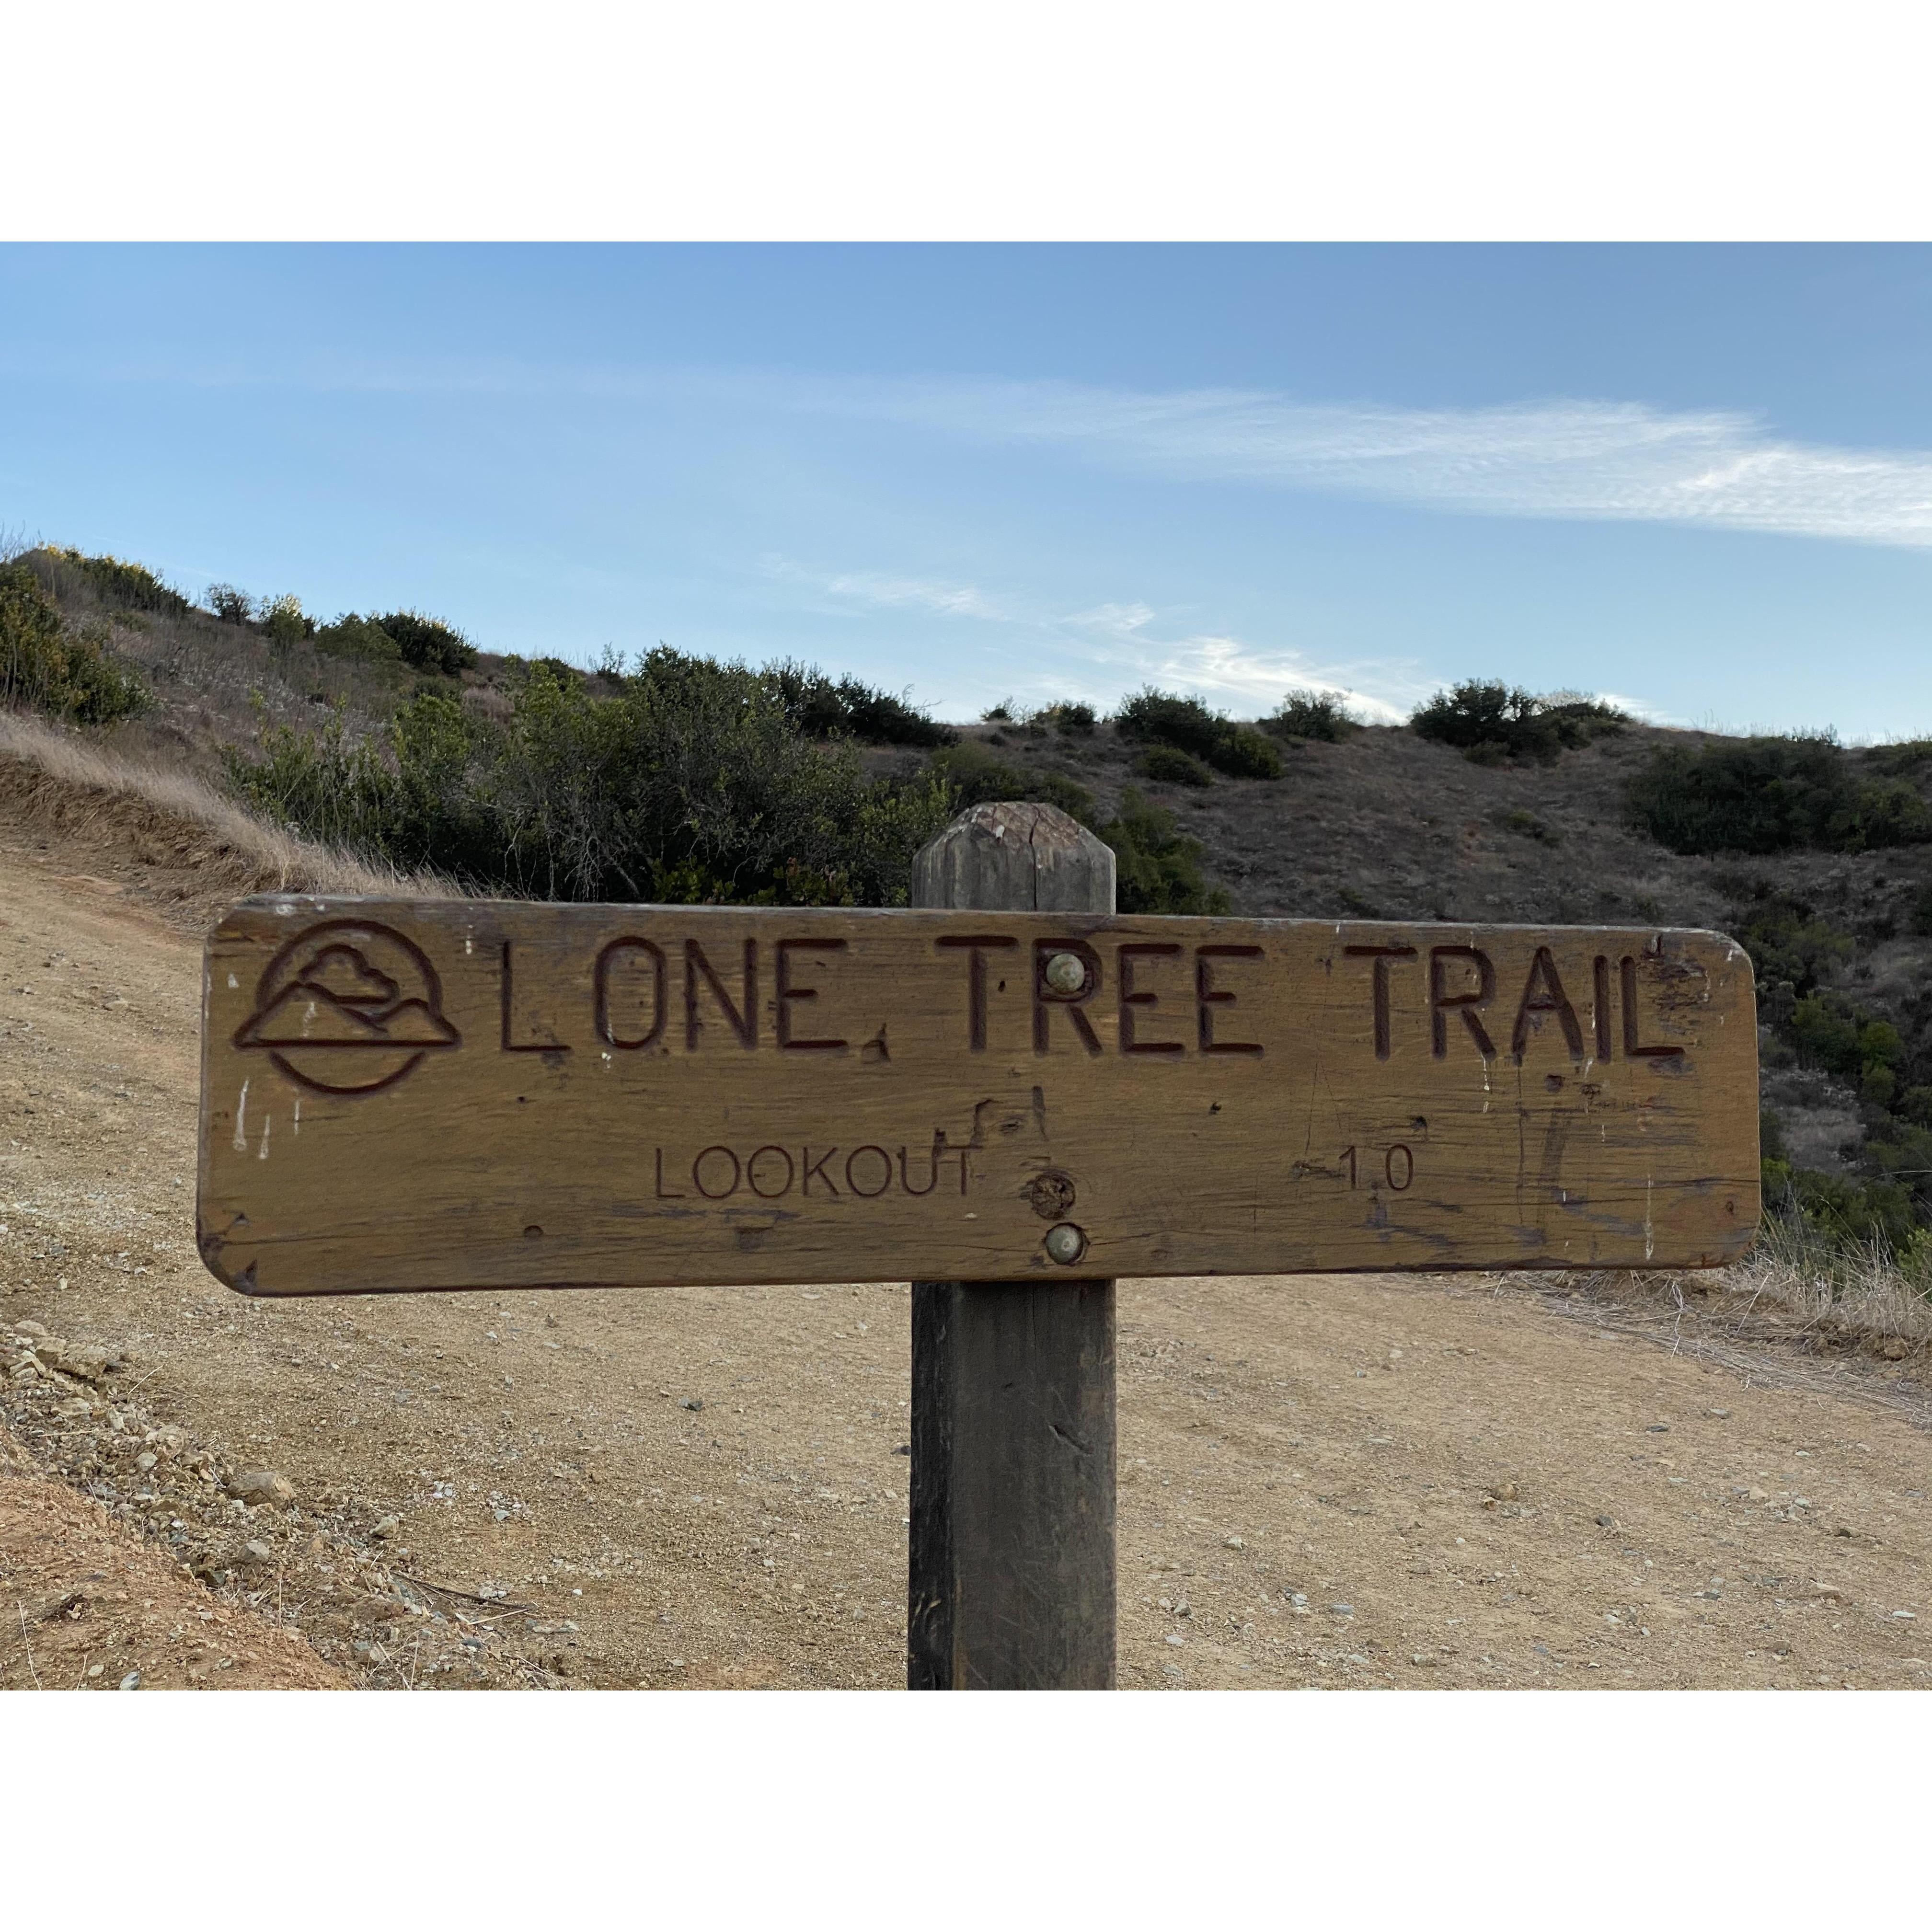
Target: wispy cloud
[
  {"x": 1100, "y": 651},
  {"x": 1227, "y": 668},
  {"x": 1583, "y": 460},
  {"x": 1640, "y": 707},
  {"x": 1601, "y": 461},
  {"x": 918, "y": 593}
]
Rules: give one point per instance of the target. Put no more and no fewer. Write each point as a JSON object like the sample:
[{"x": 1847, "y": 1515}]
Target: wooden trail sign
[{"x": 406, "y": 1095}]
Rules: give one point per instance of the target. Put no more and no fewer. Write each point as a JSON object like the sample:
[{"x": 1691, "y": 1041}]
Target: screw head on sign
[
  {"x": 1065, "y": 973},
  {"x": 1066, "y": 1243}
]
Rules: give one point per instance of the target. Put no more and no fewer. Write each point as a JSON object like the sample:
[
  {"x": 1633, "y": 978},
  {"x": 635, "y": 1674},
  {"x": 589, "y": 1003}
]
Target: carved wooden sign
[{"x": 459, "y": 1094}]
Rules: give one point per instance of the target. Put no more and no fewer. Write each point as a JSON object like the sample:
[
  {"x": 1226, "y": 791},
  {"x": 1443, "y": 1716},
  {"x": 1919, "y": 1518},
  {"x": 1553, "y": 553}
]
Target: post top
[{"x": 1016, "y": 856}]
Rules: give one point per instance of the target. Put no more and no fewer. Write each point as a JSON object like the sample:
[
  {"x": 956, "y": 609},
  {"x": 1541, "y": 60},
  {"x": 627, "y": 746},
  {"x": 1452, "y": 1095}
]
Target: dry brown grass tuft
[
  {"x": 162, "y": 818},
  {"x": 1798, "y": 1311},
  {"x": 1861, "y": 1293}
]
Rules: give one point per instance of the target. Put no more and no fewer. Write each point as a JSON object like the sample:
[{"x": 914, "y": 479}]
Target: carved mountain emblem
[{"x": 348, "y": 1007}]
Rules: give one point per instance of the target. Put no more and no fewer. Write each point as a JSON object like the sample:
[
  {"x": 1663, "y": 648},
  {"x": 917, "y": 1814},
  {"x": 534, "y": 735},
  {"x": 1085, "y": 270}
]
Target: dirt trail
[{"x": 1367, "y": 1480}]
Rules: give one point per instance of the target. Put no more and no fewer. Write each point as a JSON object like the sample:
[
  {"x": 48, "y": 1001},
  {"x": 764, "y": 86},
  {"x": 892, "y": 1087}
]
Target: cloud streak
[
  {"x": 1121, "y": 643},
  {"x": 887, "y": 593},
  {"x": 1585, "y": 460},
  {"x": 1577, "y": 460}
]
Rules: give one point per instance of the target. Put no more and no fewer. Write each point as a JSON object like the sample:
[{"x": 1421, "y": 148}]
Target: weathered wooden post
[{"x": 1010, "y": 1569}]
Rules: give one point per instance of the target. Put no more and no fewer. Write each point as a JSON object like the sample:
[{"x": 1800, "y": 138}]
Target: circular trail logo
[{"x": 348, "y": 1007}]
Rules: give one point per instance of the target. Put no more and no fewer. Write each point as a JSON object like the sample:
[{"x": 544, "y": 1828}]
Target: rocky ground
[
  {"x": 94, "y": 1607},
  {"x": 1370, "y": 1481}
]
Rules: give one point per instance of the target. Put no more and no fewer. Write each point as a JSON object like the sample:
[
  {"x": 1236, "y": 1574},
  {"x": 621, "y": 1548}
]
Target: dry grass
[
  {"x": 169, "y": 818},
  {"x": 1792, "y": 1281},
  {"x": 1797, "y": 1312},
  {"x": 1862, "y": 1293}
]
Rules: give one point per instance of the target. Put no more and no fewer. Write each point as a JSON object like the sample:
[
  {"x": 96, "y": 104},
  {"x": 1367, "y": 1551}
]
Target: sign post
[
  {"x": 1009, "y": 1094},
  {"x": 1010, "y": 1563}
]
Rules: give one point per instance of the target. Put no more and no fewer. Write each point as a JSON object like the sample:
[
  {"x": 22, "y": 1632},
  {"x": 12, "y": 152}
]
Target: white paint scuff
[{"x": 241, "y": 1121}]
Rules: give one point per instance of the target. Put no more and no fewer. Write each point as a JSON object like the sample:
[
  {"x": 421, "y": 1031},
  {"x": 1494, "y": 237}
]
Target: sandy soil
[
  {"x": 1367, "y": 1481},
  {"x": 90, "y": 1606}
]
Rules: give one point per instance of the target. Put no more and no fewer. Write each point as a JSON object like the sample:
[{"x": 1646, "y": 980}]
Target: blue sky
[{"x": 1697, "y": 478}]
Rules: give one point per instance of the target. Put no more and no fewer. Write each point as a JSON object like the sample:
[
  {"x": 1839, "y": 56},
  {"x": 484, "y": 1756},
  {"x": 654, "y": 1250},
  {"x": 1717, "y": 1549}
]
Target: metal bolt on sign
[
  {"x": 1066, "y": 1243},
  {"x": 1065, "y": 973}
]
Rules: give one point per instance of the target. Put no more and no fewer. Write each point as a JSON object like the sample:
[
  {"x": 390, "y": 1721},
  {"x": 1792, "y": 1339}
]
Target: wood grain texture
[
  {"x": 1010, "y": 1560},
  {"x": 466, "y": 1093}
]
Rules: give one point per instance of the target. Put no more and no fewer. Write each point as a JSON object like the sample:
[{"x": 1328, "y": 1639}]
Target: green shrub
[
  {"x": 1246, "y": 753},
  {"x": 131, "y": 586},
  {"x": 1070, "y": 720},
  {"x": 1825, "y": 1032},
  {"x": 1489, "y": 722},
  {"x": 351, "y": 636},
  {"x": 427, "y": 644},
  {"x": 1166, "y": 764},
  {"x": 318, "y": 783},
  {"x": 811, "y": 700},
  {"x": 1152, "y": 717},
  {"x": 1312, "y": 714},
  {"x": 1900, "y": 1150},
  {"x": 824, "y": 707},
  {"x": 1766, "y": 795},
  {"x": 881, "y": 718},
  {"x": 1877, "y": 1084},
  {"x": 229, "y": 605},
  {"x": 68, "y": 674},
  {"x": 690, "y": 784},
  {"x": 1001, "y": 713},
  {"x": 283, "y": 621},
  {"x": 1908, "y": 756},
  {"x": 102, "y": 690},
  {"x": 1920, "y": 920},
  {"x": 1162, "y": 719},
  {"x": 1788, "y": 943},
  {"x": 1851, "y": 1211},
  {"x": 979, "y": 775},
  {"x": 1885, "y": 813},
  {"x": 1157, "y": 867},
  {"x": 32, "y": 656}
]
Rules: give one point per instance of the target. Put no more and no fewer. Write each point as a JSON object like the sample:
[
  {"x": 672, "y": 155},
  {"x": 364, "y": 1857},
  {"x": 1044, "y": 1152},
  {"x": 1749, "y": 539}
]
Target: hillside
[{"x": 1381, "y": 822}]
